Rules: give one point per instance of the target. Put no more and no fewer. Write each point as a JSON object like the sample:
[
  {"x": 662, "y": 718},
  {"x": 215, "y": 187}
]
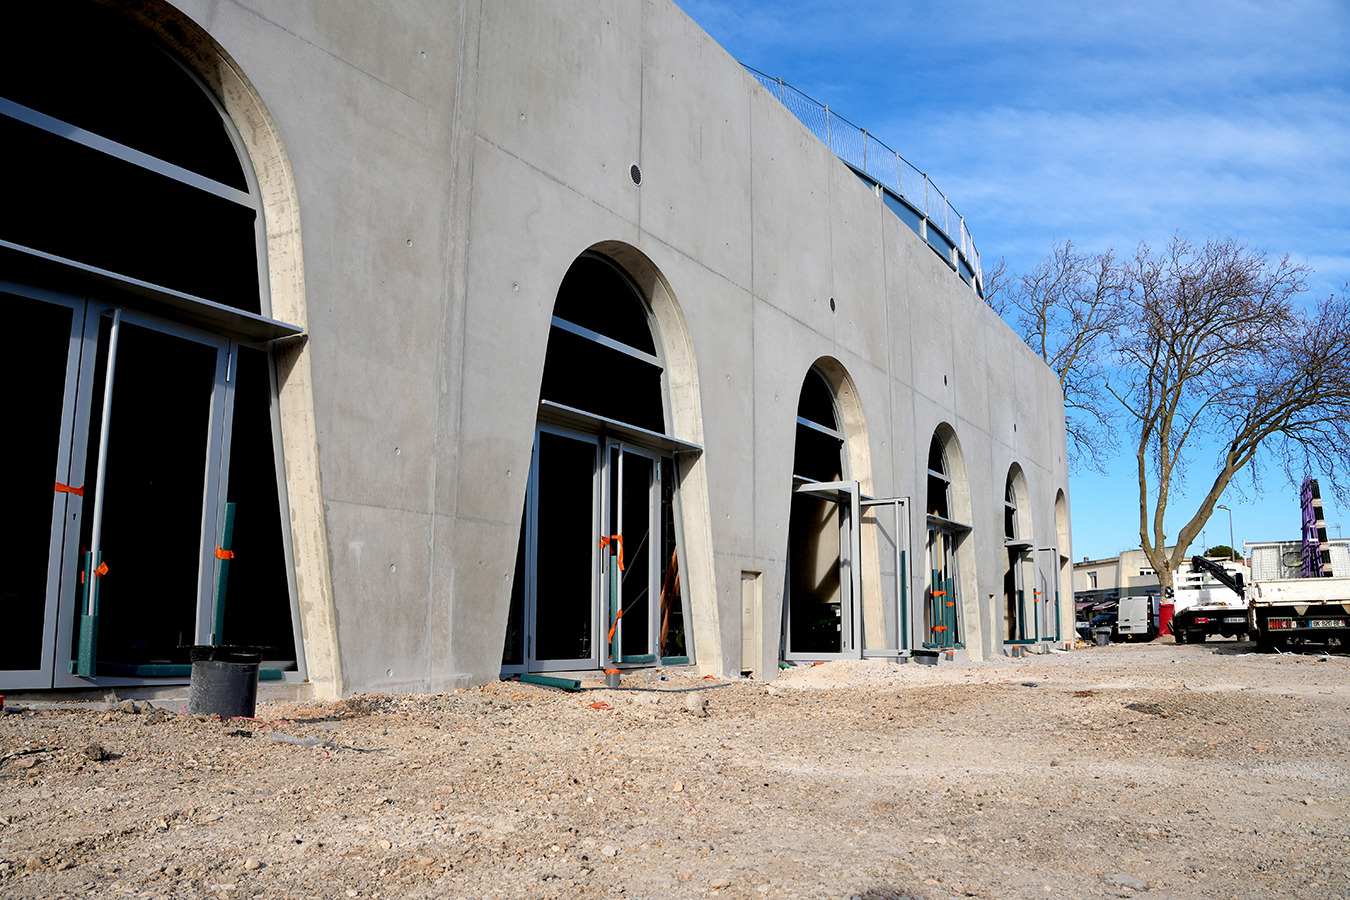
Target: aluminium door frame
[
  {"x": 850, "y": 556},
  {"x": 214, "y": 484},
  {"x": 531, "y": 662},
  {"x": 62, "y": 502},
  {"x": 898, "y": 636},
  {"x": 654, "y": 542}
]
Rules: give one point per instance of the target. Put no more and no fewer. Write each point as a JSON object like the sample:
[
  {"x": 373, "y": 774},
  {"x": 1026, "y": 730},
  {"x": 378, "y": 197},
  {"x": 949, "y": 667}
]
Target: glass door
[
  {"x": 148, "y": 446},
  {"x": 37, "y": 497},
  {"x": 562, "y": 609},
  {"x": 632, "y": 562},
  {"x": 943, "y": 616}
]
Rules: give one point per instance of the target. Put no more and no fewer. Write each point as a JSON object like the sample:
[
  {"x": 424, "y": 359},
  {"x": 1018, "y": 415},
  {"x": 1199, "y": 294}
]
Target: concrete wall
[{"x": 450, "y": 160}]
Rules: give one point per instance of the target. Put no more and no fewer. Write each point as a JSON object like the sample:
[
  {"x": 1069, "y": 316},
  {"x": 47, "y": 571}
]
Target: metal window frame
[{"x": 214, "y": 488}]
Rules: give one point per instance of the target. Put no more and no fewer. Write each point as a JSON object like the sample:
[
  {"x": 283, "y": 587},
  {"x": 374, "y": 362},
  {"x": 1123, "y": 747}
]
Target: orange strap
[
  {"x": 67, "y": 489},
  {"x": 615, "y": 626},
  {"x": 939, "y": 593},
  {"x": 224, "y": 554},
  {"x": 951, "y": 602},
  {"x": 618, "y": 540},
  {"x": 939, "y": 627},
  {"x": 101, "y": 570}
]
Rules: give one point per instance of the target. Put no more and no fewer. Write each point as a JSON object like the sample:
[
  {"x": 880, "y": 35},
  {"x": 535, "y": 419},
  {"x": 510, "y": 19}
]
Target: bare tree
[
  {"x": 994, "y": 285},
  {"x": 1068, "y": 308},
  {"x": 1193, "y": 346},
  {"x": 1217, "y": 347}
]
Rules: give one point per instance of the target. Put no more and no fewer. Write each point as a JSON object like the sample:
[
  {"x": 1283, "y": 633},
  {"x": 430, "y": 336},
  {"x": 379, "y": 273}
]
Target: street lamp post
[{"x": 1231, "y": 550}]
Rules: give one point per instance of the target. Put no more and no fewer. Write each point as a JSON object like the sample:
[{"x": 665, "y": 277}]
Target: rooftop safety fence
[{"x": 880, "y": 163}]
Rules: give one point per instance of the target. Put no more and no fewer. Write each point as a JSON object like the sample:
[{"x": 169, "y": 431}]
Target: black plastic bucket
[{"x": 224, "y": 681}]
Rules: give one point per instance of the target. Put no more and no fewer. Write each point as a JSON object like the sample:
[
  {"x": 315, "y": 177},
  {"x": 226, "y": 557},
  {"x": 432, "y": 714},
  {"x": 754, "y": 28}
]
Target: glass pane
[
  {"x": 673, "y": 641},
  {"x": 154, "y": 493},
  {"x": 257, "y": 595},
  {"x": 81, "y": 67},
  {"x": 513, "y": 648},
  {"x": 636, "y": 594},
  {"x": 126, "y": 219},
  {"x": 814, "y": 592},
  {"x": 595, "y": 296},
  {"x": 30, "y": 408},
  {"x": 566, "y": 542}
]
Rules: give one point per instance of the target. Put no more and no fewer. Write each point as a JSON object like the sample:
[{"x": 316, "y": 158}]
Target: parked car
[{"x": 1105, "y": 620}]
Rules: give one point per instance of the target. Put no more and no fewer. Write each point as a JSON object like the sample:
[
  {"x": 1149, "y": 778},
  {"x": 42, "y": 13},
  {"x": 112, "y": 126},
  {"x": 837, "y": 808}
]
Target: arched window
[
  {"x": 818, "y": 607},
  {"x": 942, "y": 625},
  {"x": 140, "y": 293},
  {"x": 1021, "y": 625},
  {"x": 597, "y": 565}
]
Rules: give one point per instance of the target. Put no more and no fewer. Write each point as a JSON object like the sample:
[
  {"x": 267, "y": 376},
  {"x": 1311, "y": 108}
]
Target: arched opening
[
  {"x": 142, "y": 289},
  {"x": 947, "y": 498},
  {"x": 832, "y": 604},
  {"x": 598, "y": 563},
  {"x": 818, "y": 621},
  {"x": 1021, "y": 599}
]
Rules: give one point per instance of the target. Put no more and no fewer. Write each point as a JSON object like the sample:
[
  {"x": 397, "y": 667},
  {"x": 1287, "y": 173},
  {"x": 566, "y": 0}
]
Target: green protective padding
[
  {"x": 904, "y": 604},
  {"x": 222, "y": 578},
  {"x": 566, "y": 684},
  {"x": 85, "y": 663},
  {"x": 170, "y": 670}
]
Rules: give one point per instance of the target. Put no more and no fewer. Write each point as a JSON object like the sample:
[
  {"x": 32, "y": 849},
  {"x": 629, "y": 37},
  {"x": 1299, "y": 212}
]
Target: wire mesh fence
[{"x": 879, "y": 162}]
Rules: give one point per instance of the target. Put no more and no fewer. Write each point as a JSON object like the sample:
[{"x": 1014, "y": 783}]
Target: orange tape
[
  {"x": 67, "y": 489},
  {"x": 101, "y": 570},
  {"x": 224, "y": 554},
  {"x": 951, "y": 602},
  {"x": 618, "y": 539},
  {"x": 939, "y": 627},
  {"x": 615, "y": 626},
  {"x": 939, "y": 593}
]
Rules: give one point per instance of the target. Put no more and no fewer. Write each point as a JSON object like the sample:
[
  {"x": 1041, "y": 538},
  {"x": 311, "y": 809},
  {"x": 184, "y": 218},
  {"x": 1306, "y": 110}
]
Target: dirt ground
[{"x": 1159, "y": 770}]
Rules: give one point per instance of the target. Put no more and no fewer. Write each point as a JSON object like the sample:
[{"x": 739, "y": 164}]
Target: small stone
[
  {"x": 1126, "y": 881},
  {"x": 129, "y": 706},
  {"x": 386, "y": 845},
  {"x": 609, "y": 850},
  {"x": 64, "y": 865},
  {"x": 677, "y": 786},
  {"x": 424, "y": 861},
  {"x": 1030, "y": 684},
  {"x": 95, "y": 752},
  {"x": 1055, "y": 762},
  {"x": 155, "y": 717},
  {"x": 252, "y": 864},
  {"x": 32, "y": 864},
  {"x": 697, "y": 704}
]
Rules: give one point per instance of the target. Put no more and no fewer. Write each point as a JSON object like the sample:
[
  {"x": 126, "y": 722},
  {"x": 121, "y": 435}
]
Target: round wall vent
[{"x": 636, "y": 173}]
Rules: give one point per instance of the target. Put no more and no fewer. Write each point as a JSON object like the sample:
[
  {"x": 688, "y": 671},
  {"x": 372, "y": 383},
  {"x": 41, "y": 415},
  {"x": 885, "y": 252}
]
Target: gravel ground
[{"x": 1157, "y": 770}]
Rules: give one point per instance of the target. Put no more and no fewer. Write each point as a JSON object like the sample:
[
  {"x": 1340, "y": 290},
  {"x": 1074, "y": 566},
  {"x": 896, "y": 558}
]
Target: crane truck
[{"x": 1209, "y": 600}]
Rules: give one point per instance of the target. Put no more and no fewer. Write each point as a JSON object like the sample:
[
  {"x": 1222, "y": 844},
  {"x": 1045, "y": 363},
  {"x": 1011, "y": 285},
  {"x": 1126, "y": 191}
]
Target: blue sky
[{"x": 1106, "y": 123}]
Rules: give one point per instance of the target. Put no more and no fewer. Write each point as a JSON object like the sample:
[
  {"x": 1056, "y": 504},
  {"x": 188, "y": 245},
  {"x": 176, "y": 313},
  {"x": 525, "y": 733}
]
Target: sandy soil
[{"x": 1159, "y": 770}]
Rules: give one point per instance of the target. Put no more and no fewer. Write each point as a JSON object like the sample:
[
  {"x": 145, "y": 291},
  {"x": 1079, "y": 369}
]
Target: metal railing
[{"x": 865, "y": 153}]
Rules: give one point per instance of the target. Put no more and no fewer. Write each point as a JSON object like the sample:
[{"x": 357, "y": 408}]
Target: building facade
[{"x": 424, "y": 344}]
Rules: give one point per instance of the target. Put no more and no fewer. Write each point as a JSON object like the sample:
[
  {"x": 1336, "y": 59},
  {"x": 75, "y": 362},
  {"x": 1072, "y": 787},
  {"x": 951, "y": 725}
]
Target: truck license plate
[
  {"x": 1326, "y": 623},
  {"x": 1233, "y": 620}
]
